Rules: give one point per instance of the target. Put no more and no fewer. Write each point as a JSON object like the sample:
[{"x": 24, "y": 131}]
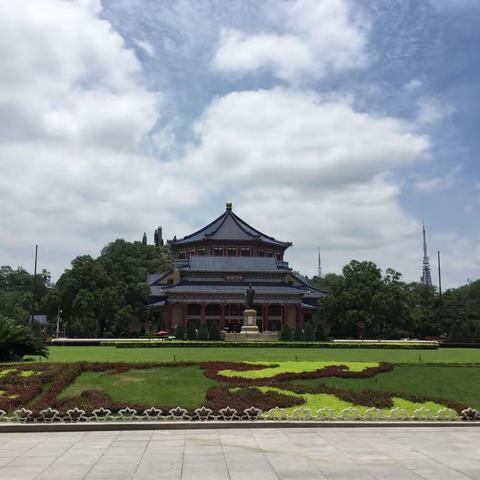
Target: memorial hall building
[{"x": 212, "y": 269}]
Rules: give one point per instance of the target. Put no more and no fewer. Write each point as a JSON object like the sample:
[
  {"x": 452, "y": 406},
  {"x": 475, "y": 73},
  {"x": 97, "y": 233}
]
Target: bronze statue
[{"x": 249, "y": 297}]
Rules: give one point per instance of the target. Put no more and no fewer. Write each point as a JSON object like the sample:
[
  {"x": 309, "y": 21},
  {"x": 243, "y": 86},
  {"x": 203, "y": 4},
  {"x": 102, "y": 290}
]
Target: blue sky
[{"x": 328, "y": 123}]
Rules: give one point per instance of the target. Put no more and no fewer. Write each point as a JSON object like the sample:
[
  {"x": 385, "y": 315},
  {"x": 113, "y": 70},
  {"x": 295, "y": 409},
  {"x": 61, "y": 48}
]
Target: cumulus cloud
[
  {"x": 69, "y": 77},
  {"x": 74, "y": 113},
  {"x": 286, "y": 137},
  {"x": 319, "y": 38}
]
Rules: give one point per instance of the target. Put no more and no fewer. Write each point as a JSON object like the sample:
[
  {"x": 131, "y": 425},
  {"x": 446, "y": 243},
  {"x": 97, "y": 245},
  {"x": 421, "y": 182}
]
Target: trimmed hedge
[{"x": 276, "y": 344}]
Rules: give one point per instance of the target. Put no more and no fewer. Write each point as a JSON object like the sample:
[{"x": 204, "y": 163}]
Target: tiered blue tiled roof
[{"x": 229, "y": 226}]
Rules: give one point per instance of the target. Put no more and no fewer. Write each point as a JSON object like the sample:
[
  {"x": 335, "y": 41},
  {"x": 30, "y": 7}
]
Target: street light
[{"x": 59, "y": 312}]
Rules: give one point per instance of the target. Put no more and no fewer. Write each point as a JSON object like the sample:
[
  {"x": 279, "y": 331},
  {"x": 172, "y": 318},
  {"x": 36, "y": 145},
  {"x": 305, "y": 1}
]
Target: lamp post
[{"x": 59, "y": 312}]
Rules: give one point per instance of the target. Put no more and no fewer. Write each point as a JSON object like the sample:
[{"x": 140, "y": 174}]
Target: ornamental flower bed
[{"x": 31, "y": 393}]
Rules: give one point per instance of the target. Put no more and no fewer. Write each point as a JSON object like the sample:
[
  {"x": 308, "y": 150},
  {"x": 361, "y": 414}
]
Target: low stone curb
[{"x": 10, "y": 427}]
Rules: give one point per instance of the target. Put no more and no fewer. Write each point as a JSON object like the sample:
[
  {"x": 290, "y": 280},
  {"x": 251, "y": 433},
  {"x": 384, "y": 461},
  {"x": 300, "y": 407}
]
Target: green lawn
[
  {"x": 461, "y": 384},
  {"x": 183, "y": 386},
  {"x": 112, "y": 354}
]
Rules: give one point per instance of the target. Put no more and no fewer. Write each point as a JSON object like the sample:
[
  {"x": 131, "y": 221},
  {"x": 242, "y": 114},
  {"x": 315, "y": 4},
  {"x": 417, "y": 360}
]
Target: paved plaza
[{"x": 401, "y": 453}]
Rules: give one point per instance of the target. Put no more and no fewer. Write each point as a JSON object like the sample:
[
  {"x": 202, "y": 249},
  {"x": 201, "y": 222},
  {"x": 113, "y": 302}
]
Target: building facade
[{"x": 212, "y": 269}]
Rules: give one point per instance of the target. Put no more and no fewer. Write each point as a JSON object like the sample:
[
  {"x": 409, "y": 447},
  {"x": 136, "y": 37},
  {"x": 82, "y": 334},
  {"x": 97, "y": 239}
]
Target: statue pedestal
[{"x": 250, "y": 322}]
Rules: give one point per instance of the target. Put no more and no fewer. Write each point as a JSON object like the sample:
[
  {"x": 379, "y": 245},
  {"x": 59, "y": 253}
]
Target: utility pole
[
  {"x": 439, "y": 277},
  {"x": 33, "y": 285},
  {"x": 319, "y": 273}
]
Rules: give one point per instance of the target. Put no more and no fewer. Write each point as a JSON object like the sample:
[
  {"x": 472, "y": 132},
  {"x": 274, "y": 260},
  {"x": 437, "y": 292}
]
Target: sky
[{"x": 330, "y": 123}]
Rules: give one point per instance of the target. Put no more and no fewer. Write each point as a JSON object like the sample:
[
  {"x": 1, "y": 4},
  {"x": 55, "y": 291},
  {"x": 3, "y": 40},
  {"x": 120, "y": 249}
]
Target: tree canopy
[{"x": 363, "y": 302}]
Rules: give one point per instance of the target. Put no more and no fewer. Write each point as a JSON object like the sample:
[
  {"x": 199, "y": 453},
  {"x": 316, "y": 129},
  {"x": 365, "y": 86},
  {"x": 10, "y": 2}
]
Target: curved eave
[{"x": 253, "y": 234}]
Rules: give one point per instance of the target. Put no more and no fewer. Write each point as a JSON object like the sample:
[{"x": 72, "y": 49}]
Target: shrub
[
  {"x": 17, "y": 340},
  {"x": 308, "y": 332},
  {"x": 467, "y": 333},
  {"x": 476, "y": 334},
  {"x": 203, "y": 332},
  {"x": 298, "y": 334},
  {"x": 278, "y": 344},
  {"x": 179, "y": 332},
  {"x": 285, "y": 333},
  {"x": 191, "y": 331},
  {"x": 214, "y": 331},
  {"x": 319, "y": 333},
  {"x": 456, "y": 335}
]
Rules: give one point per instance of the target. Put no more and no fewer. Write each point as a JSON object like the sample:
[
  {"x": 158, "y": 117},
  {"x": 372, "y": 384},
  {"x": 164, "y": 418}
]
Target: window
[
  {"x": 191, "y": 252},
  {"x": 218, "y": 252},
  {"x": 181, "y": 255},
  {"x": 269, "y": 254},
  {"x": 261, "y": 253},
  {"x": 245, "y": 252},
  {"x": 201, "y": 252},
  {"x": 231, "y": 252}
]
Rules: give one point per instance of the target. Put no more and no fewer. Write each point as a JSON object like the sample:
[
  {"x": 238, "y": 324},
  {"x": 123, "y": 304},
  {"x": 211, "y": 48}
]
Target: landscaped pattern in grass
[
  {"x": 316, "y": 401},
  {"x": 461, "y": 384},
  {"x": 289, "y": 385},
  {"x": 274, "y": 369}
]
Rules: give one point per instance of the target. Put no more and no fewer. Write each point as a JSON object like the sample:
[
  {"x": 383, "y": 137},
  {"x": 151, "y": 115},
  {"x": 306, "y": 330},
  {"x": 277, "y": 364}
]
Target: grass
[
  {"x": 461, "y": 384},
  {"x": 294, "y": 367},
  {"x": 182, "y": 386},
  {"x": 325, "y": 400},
  {"x": 112, "y": 354}
]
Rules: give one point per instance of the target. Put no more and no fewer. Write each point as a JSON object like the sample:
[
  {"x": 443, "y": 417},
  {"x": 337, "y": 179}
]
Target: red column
[
  {"x": 203, "y": 313},
  {"x": 222, "y": 317},
  {"x": 265, "y": 317},
  {"x": 298, "y": 316},
  {"x": 185, "y": 309},
  {"x": 284, "y": 315}
]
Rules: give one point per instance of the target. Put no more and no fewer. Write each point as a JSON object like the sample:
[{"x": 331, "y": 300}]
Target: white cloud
[
  {"x": 432, "y": 110},
  {"x": 445, "y": 182},
  {"x": 147, "y": 47},
  {"x": 285, "y": 137},
  {"x": 74, "y": 113},
  {"x": 320, "y": 38},
  {"x": 413, "y": 85},
  {"x": 69, "y": 77}
]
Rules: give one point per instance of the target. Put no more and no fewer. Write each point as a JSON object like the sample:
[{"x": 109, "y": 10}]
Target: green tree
[
  {"x": 214, "y": 331},
  {"x": 179, "y": 332},
  {"x": 298, "y": 333},
  {"x": 320, "y": 333},
  {"x": 308, "y": 332},
  {"x": 203, "y": 332},
  {"x": 476, "y": 333},
  {"x": 456, "y": 333},
  {"x": 17, "y": 340},
  {"x": 110, "y": 289},
  {"x": 467, "y": 333},
  {"x": 191, "y": 331},
  {"x": 285, "y": 333}
]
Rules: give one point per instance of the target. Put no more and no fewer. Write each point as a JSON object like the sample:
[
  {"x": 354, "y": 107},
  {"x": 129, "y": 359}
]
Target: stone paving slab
[{"x": 400, "y": 453}]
